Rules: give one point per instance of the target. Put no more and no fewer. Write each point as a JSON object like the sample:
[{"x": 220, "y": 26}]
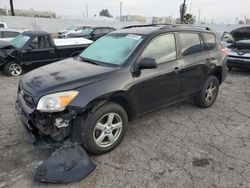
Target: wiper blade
[{"x": 88, "y": 60}]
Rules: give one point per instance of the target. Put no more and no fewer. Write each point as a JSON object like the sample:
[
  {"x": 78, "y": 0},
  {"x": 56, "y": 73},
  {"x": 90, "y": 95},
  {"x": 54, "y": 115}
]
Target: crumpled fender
[{"x": 70, "y": 163}]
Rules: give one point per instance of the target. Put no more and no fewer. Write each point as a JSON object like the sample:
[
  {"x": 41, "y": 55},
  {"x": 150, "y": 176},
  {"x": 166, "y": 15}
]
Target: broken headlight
[{"x": 56, "y": 102}]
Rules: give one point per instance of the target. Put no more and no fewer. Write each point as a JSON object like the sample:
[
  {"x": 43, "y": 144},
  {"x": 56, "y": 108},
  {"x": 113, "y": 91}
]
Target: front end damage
[{"x": 61, "y": 130}]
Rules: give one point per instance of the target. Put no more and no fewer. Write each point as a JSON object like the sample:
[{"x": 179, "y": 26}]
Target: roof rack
[
  {"x": 192, "y": 26},
  {"x": 170, "y": 25},
  {"x": 146, "y": 25}
]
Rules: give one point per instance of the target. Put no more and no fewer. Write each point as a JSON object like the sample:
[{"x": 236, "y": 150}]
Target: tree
[
  {"x": 241, "y": 22},
  {"x": 105, "y": 13},
  {"x": 188, "y": 19},
  {"x": 12, "y": 8}
]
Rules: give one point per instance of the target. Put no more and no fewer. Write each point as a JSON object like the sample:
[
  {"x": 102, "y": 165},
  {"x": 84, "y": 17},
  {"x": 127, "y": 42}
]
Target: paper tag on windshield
[{"x": 134, "y": 37}]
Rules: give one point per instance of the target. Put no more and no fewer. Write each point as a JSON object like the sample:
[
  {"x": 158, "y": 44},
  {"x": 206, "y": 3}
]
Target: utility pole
[
  {"x": 121, "y": 3},
  {"x": 87, "y": 9},
  {"x": 12, "y": 8},
  {"x": 199, "y": 17},
  {"x": 183, "y": 10}
]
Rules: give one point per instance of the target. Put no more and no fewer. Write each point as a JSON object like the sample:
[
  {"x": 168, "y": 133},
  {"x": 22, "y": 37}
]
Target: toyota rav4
[{"x": 127, "y": 73}]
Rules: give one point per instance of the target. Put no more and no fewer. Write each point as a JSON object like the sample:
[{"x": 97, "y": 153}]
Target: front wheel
[
  {"x": 105, "y": 128},
  {"x": 209, "y": 93},
  {"x": 13, "y": 69}
]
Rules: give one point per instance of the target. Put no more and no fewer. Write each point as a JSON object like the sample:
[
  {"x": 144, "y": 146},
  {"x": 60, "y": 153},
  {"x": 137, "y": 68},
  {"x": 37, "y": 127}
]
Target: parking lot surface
[{"x": 178, "y": 146}]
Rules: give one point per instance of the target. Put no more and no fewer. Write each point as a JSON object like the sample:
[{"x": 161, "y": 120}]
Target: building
[
  {"x": 29, "y": 13},
  {"x": 248, "y": 21},
  {"x": 133, "y": 18}
]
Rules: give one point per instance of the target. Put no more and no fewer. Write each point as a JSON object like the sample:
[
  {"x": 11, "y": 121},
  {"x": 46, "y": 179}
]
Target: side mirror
[{"x": 147, "y": 63}]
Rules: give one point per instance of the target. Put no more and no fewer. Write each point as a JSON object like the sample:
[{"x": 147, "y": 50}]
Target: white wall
[{"x": 54, "y": 25}]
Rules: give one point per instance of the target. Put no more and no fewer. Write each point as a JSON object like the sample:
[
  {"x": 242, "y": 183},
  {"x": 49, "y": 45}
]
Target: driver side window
[
  {"x": 39, "y": 42},
  {"x": 162, "y": 49}
]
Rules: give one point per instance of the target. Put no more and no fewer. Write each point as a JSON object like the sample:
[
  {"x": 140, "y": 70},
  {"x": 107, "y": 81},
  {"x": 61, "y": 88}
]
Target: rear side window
[
  {"x": 162, "y": 49},
  {"x": 190, "y": 43},
  {"x": 1, "y": 25},
  {"x": 210, "y": 41}
]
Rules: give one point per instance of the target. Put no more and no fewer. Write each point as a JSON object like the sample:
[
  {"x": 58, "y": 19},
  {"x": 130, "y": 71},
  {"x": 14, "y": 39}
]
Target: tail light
[{"x": 224, "y": 51}]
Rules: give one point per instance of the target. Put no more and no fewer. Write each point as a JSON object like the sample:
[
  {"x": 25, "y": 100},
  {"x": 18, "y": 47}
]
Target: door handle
[
  {"x": 176, "y": 70},
  {"x": 52, "y": 51}
]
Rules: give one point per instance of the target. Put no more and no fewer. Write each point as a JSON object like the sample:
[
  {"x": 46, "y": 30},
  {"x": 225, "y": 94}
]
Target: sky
[{"x": 217, "y": 10}]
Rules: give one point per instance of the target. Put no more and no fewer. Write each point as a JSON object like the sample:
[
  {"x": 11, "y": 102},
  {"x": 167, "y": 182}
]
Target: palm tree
[
  {"x": 12, "y": 8},
  {"x": 188, "y": 19}
]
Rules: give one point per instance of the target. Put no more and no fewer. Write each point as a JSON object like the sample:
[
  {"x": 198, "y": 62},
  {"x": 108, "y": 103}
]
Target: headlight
[{"x": 56, "y": 102}]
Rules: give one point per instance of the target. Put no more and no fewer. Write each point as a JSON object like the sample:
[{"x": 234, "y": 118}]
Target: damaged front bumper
[
  {"x": 70, "y": 162},
  {"x": 48, "y": 129}
]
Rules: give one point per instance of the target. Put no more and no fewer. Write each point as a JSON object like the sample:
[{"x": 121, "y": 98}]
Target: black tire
[
  {"x": 9, "y": 71},
  {"x": 89, "y": 128},
  {"x": 204, "y": 100},
  {"x": 230, "y": 68}
]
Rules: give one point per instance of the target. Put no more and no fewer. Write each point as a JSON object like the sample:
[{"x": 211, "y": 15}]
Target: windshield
[
  {"x": 72, "y": 28},
  {"x": 87, "y": 31},
  {"x": 19, "y": 41},
  {"x": 112, "y": 49}
]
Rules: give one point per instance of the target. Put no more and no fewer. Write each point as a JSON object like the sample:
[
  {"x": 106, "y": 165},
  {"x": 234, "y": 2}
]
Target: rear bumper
[{"x": 238, "y": 62}]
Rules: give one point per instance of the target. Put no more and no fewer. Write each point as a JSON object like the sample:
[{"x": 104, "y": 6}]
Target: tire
[
  {"x": 97, "y": 129},
  {"x": 13, "y": 69},
  {"x": 229, "y": 68},
  {"x": 209, "y": 93}
]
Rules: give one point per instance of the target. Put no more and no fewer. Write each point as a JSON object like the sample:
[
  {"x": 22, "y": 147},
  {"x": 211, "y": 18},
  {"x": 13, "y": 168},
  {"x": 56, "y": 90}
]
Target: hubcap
[
  {"x": 15, "y": 69},
  {"x": 108, "y": 129},
  {"x": 211, "y": 92}
]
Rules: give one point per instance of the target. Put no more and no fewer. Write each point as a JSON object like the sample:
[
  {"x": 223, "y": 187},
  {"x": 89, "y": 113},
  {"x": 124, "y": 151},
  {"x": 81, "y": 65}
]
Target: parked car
[
  {"x": 125, "y": 74},
  {"x": 238, "y": 43},
  {"x": 74, "y": 29},
  {"x": 92, "y": 33},
  {"x": 33, "y": 49},
  {"x": 3, "y": 25},
  {"x": 9, "y": 34}
]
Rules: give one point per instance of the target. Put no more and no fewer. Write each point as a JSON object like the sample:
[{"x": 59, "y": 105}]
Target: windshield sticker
[{"x": 134, "y": 37}]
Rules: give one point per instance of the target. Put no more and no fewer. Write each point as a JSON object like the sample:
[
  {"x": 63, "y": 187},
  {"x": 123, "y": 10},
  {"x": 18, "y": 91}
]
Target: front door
[
  {"x": 155, "y": 87},
  {"x": 38, "y": 52}
]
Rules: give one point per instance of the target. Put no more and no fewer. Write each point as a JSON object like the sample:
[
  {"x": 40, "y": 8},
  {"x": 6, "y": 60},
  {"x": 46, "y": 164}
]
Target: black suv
[
  {"x": 125, "y": 74},
  {"x": 92, "y": 33}
]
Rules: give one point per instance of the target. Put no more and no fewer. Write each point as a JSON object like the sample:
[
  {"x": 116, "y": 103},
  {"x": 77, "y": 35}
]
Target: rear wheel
[
  {"x": 13, "y": 69},
  {"x": 105, "y": 128},
  {"x": 209, "y": 93}
]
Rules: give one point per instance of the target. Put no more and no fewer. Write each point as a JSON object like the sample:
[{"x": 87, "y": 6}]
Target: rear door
[
  {"x": 155, "y": 87},
  {"x": 212, "y": 47},
  {"x": 194, "y": 61},
  {"x": 38, "y": 52}
]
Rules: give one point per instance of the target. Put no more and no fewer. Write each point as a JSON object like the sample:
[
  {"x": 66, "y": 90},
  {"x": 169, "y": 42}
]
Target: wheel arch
[
  {"x": 120, "y": 98},
  {"x": 218, "y": 74}
]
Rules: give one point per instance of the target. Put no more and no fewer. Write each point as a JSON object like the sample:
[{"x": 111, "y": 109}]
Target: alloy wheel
[
  {"x": 108, "y": 129},
  {"x": 15, "y": 69},
  {"x": 211, "y": 92}
]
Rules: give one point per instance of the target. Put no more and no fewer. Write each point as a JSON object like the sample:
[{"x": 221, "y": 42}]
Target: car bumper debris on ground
[{"x": 178, "y": 146}]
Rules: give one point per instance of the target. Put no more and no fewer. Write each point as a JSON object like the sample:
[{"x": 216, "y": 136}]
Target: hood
[
  {"x": 240, "y": 34},
  {"x": 5, "y": 45},
  {"x": 64, "y": 75}
]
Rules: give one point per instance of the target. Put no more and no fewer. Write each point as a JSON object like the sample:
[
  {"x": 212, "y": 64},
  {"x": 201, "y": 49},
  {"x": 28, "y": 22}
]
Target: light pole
[
  {"x": 121, "y": 3},
  {"x": 183, "y": 10}
]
